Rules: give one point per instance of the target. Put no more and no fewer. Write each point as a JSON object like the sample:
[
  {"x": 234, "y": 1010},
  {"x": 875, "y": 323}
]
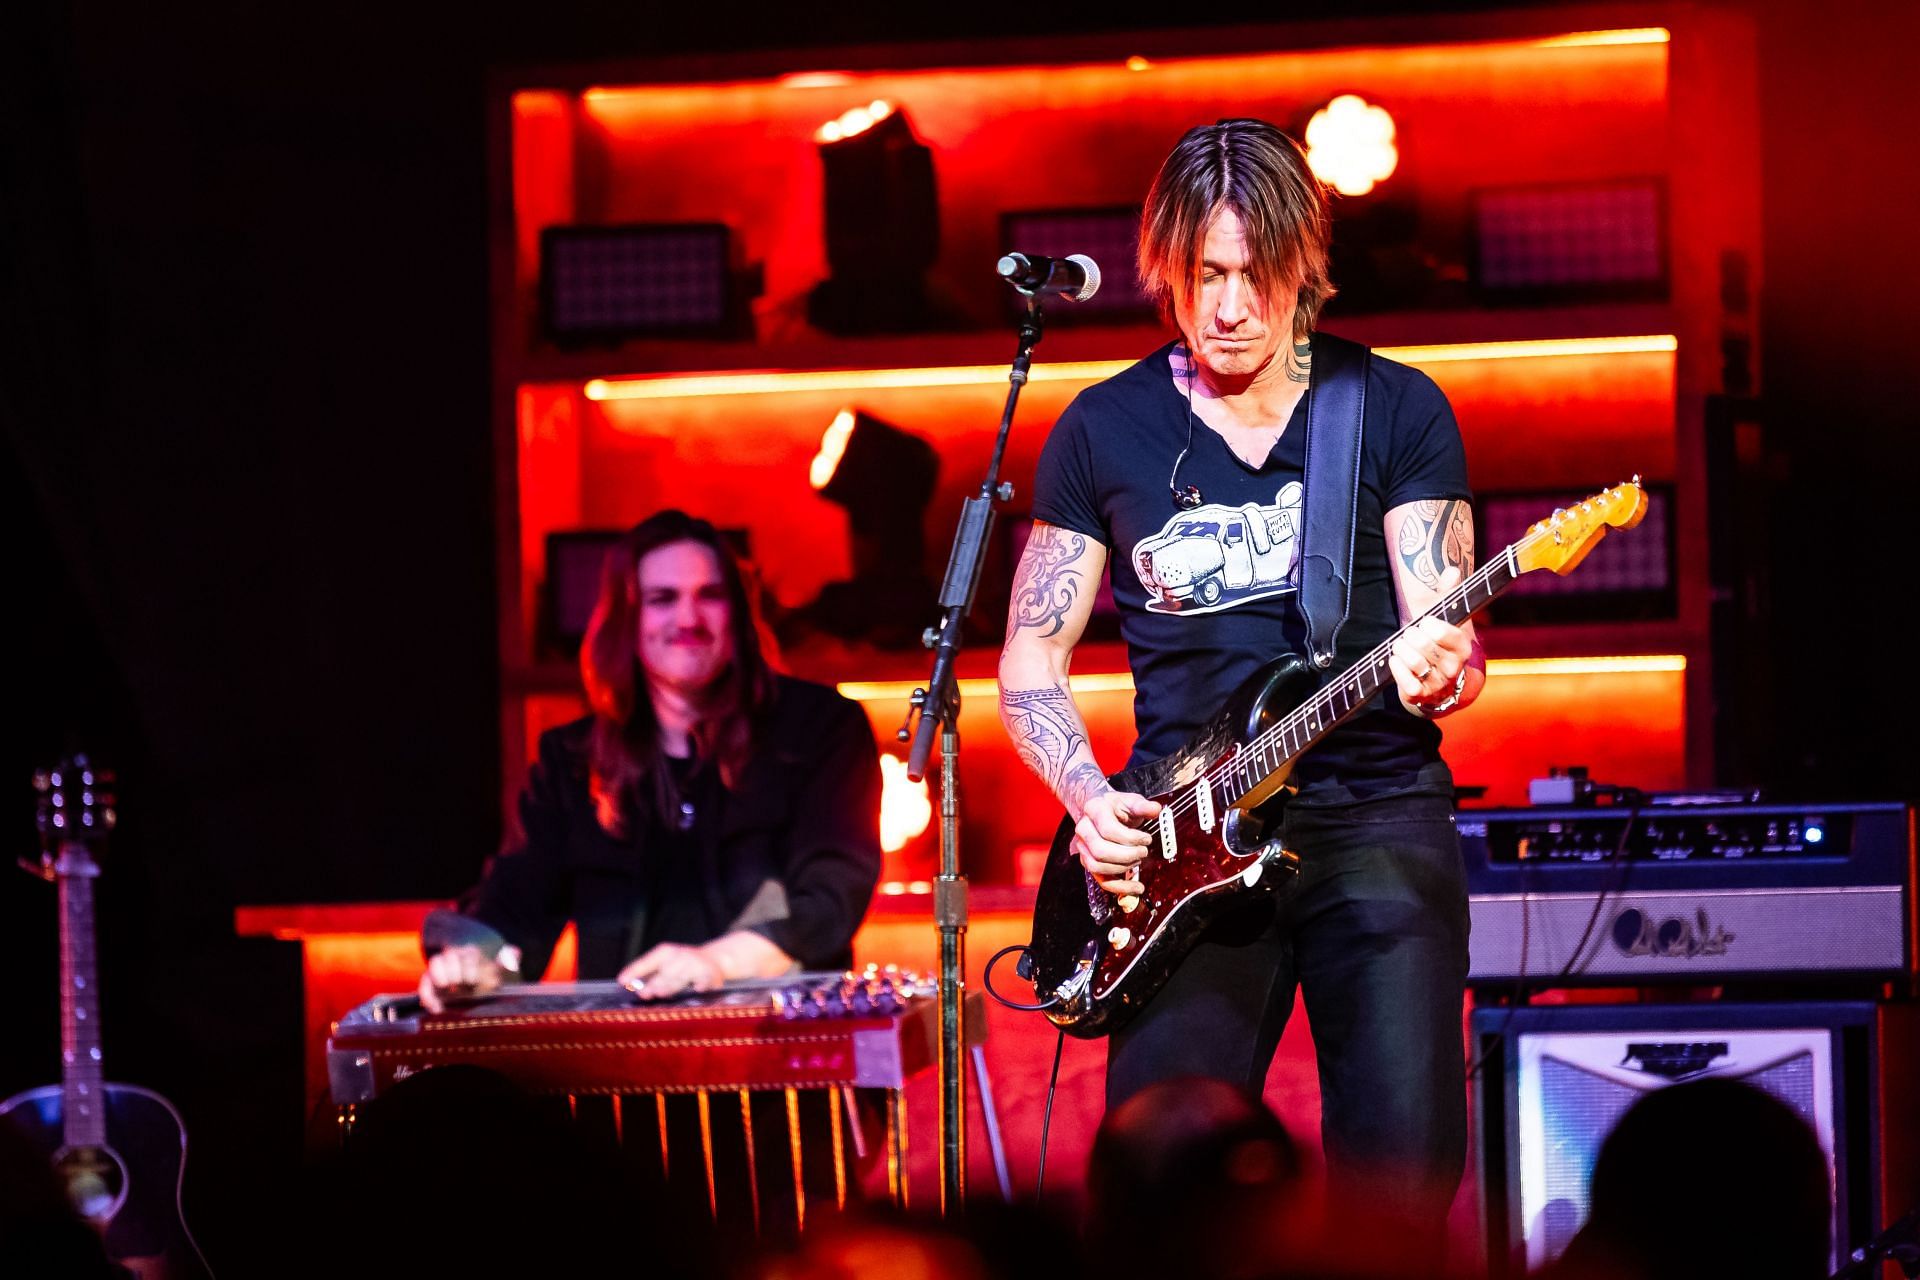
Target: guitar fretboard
[
  {"x": 85, "y": 1118},
  {"x": 1313, "y": 719}
]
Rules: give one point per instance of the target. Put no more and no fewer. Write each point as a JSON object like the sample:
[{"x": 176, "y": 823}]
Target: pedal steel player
[
  {"x": 711, "y": 819},
  {"x": 1233, "y": 244}
]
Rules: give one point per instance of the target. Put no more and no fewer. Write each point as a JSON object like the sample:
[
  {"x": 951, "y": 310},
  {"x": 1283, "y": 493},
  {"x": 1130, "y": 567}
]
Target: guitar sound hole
[{"x": 94, "y": 1178}]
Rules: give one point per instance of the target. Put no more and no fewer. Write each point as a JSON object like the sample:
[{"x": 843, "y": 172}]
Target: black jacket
[{"x": 793, "y": 853}]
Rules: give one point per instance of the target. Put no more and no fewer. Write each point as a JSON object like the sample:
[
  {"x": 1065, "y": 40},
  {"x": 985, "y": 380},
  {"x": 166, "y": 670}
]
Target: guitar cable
[
  {"x": 1059, "y": 1044},
  {"x": 986, "y": 979},
  {"x": 1046, "y": 1120}
]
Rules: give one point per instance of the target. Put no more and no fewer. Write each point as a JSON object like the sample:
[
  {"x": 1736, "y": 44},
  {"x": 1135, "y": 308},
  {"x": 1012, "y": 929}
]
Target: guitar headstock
[
  {"x": 1564, "y": 538},
  {"x": 75, "y": 810}
]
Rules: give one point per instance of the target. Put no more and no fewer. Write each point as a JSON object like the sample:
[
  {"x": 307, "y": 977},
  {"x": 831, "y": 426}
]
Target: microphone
[{"x": 1077, "y": 277}]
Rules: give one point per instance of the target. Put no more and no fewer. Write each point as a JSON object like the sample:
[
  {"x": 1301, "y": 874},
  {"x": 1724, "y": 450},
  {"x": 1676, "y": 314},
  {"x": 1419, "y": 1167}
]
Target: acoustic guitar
[{"x": 119, "y": 1150}]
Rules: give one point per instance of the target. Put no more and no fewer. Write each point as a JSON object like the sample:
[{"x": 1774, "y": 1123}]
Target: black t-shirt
[
  {"x": 1207, "y": 596},
  {"x": 675, "y": 901}
]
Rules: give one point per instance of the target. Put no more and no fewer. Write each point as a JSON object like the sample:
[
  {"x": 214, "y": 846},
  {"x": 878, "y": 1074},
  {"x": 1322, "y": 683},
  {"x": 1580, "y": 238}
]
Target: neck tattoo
[{"x": 1300, "y": 365}]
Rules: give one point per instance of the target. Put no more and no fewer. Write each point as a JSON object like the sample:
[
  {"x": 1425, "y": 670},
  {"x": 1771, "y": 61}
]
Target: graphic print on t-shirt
[{"x": 1215, "y": 557}]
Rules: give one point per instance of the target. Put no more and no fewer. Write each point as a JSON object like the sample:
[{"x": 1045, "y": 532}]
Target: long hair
[
  {"x": 1260, "y": 173},
  {"x": 627, "y": 770}
]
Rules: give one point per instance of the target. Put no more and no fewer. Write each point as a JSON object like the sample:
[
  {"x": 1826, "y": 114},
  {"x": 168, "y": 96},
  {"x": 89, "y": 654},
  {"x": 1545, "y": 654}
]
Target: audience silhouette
[
  {"x": 456, "y": 1171},
  {"x": 1197, "y": 1177},
  {"x": 1706, "y": 1178}
]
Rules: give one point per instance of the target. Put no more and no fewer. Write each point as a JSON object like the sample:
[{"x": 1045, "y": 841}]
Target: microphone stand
[
  {"x": 939, "y": 705},
  {"x": 1898, "y": 1243}
]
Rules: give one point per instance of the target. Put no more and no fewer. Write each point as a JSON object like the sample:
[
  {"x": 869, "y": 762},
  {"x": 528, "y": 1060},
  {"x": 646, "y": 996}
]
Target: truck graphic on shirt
[{"x": 1217, "y": 556}]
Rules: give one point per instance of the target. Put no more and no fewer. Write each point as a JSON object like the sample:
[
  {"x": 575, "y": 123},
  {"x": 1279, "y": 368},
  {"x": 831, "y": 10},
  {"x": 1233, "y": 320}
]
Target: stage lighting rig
[
  {"x": 1351, "y": 145},
  {"x": 883, "y": 477},
  {"x": 882, "y": 223}
]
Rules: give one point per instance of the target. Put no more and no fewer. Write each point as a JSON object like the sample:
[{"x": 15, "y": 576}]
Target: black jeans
[{"x": 1373, "y": 933}]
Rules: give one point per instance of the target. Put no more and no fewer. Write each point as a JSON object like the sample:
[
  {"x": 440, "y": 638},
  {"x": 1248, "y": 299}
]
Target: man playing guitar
[{"x": 1374, "y": 932}]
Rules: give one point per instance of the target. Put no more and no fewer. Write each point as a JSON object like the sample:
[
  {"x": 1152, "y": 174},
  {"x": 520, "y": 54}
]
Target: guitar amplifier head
[{"x": 1694, "y": 895}]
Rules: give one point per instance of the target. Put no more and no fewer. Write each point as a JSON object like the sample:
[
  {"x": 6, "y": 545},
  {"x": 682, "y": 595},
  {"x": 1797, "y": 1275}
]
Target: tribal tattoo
[
  {"x": 1435, "y": 537},
  {"x": 1083, "y": 782},
  {"x": 1045, "y": 587},
  {"x": 1047, "y": 732},
  {"x": 1300, "y": 368}
]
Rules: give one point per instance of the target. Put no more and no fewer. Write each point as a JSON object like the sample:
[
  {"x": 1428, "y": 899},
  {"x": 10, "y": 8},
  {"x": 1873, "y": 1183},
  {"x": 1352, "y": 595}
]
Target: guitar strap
[{"x": 1336, "y": 410}]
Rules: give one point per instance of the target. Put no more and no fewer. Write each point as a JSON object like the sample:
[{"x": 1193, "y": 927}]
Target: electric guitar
[
  {"x": 1095, "y": 958},
  {"x": 118, "y": 1150}
]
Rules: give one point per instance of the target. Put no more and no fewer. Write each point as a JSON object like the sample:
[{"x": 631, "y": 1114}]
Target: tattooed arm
[
  {"x": 1053, "y": 593},
  {"x": 1440, "y": 668}
]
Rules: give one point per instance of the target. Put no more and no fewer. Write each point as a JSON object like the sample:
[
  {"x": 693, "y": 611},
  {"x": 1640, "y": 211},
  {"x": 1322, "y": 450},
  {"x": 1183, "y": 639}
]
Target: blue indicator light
[{"x": 1815, "y": 833}]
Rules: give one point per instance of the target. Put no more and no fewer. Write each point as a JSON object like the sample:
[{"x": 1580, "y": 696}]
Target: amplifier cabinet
[
  {"x": 1694, "y": 895},
  {"x": 1555, "y": 1080}
]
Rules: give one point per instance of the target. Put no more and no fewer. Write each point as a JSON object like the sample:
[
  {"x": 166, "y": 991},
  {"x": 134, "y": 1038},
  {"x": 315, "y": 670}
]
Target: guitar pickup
[
  {"x": 1169, "y": 848},
  {"x": 1203, "y": 803}
]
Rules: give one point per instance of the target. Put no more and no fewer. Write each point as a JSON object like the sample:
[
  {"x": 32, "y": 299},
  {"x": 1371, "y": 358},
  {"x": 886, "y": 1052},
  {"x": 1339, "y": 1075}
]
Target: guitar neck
[
  {"x": 1342, "y": 697},
  {"x": 81, "y": 1076}
]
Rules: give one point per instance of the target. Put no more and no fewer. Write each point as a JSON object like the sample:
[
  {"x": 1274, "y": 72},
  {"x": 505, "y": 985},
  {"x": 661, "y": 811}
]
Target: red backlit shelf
[{"x": 1663, "y": 91}]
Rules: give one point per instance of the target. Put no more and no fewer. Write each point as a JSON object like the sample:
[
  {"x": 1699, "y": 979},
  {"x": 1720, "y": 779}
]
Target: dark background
[{"x": 247, "y": 471}]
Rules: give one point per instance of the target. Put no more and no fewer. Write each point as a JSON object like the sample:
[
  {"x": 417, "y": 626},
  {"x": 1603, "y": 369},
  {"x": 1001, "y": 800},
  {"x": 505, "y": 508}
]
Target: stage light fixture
[
  {"x": 883, "y": 477},
  {"x": 602, "y": 284},
  {"x": 1109, "y": 234},
  {"x": 854, "y": 121},
  {"x": 1571, "y": 242},
  {"x": 882, "y": 222},
  {"x": 1350, "y": 145},
  {"x": 833, "y": 447},
  {"x": 574, "y": 560},
  {"x": 1628, "y": 578}
]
